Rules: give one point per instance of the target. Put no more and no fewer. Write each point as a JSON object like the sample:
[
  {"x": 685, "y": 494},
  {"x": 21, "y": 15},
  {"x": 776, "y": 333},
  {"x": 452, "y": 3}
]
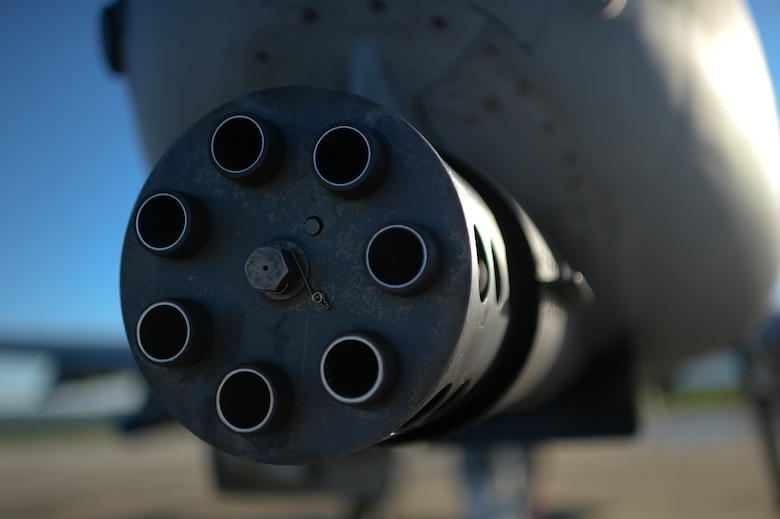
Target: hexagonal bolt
[{"x": 273, "y": 271}]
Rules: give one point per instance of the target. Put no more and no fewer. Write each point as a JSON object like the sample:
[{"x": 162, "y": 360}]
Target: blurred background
[
  {"x": 71, "y": 173},
  {"x": 72, "y": 167}
]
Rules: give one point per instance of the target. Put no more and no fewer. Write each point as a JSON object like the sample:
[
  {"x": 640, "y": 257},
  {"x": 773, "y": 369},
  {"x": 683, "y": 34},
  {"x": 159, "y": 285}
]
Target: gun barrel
[{"x": 299, "y": 288}]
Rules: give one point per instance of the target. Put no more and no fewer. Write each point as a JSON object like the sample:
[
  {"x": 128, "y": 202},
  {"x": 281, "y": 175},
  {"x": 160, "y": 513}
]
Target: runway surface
[{"x": 690, "y": 465}]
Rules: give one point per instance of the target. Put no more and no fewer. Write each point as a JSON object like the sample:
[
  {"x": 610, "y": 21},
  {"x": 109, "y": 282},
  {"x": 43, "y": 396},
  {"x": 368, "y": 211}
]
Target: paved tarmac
[{"x": 702, "y": 465}]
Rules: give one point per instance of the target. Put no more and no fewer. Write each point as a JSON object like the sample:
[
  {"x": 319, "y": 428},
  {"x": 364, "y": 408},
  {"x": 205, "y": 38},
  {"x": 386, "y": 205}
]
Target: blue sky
[{"x": 72, "y": 167}]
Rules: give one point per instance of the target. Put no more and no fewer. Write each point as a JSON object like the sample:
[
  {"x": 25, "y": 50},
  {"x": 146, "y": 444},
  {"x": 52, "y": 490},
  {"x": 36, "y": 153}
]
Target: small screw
[
  {"x": 310, "y": 16},
  {"x": 312, "y": 226},
  {"x": 439, "y": 22}
]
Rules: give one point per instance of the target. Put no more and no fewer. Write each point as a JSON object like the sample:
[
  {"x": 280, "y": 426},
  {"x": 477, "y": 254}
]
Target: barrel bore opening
[
  {"x": 342, "y": 156},
  {"x": 162, "y": 222},
  {"x": 353, "y": 370},
  {"x": 238, "y": 144},
  {"x": 164, "y": 332},
  {"x": 246, "y": 400},
  {"x": 399, "y": 259}
]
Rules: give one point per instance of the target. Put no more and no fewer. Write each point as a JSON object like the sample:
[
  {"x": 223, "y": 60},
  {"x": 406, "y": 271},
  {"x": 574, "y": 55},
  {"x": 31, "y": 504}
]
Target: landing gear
[
  {"x": 762, "y": 366},
  {"x": 499, "y": 480}
]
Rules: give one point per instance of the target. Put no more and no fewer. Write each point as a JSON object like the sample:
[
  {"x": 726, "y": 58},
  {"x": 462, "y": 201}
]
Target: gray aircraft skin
[{"x": 640, "y": 136}]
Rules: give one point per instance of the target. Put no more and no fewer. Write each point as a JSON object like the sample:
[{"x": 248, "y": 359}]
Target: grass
[{"x": 699, "y": 400}]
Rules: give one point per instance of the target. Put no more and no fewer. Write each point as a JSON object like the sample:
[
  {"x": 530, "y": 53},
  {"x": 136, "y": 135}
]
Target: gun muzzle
[{"x": 304, "y": 276}]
